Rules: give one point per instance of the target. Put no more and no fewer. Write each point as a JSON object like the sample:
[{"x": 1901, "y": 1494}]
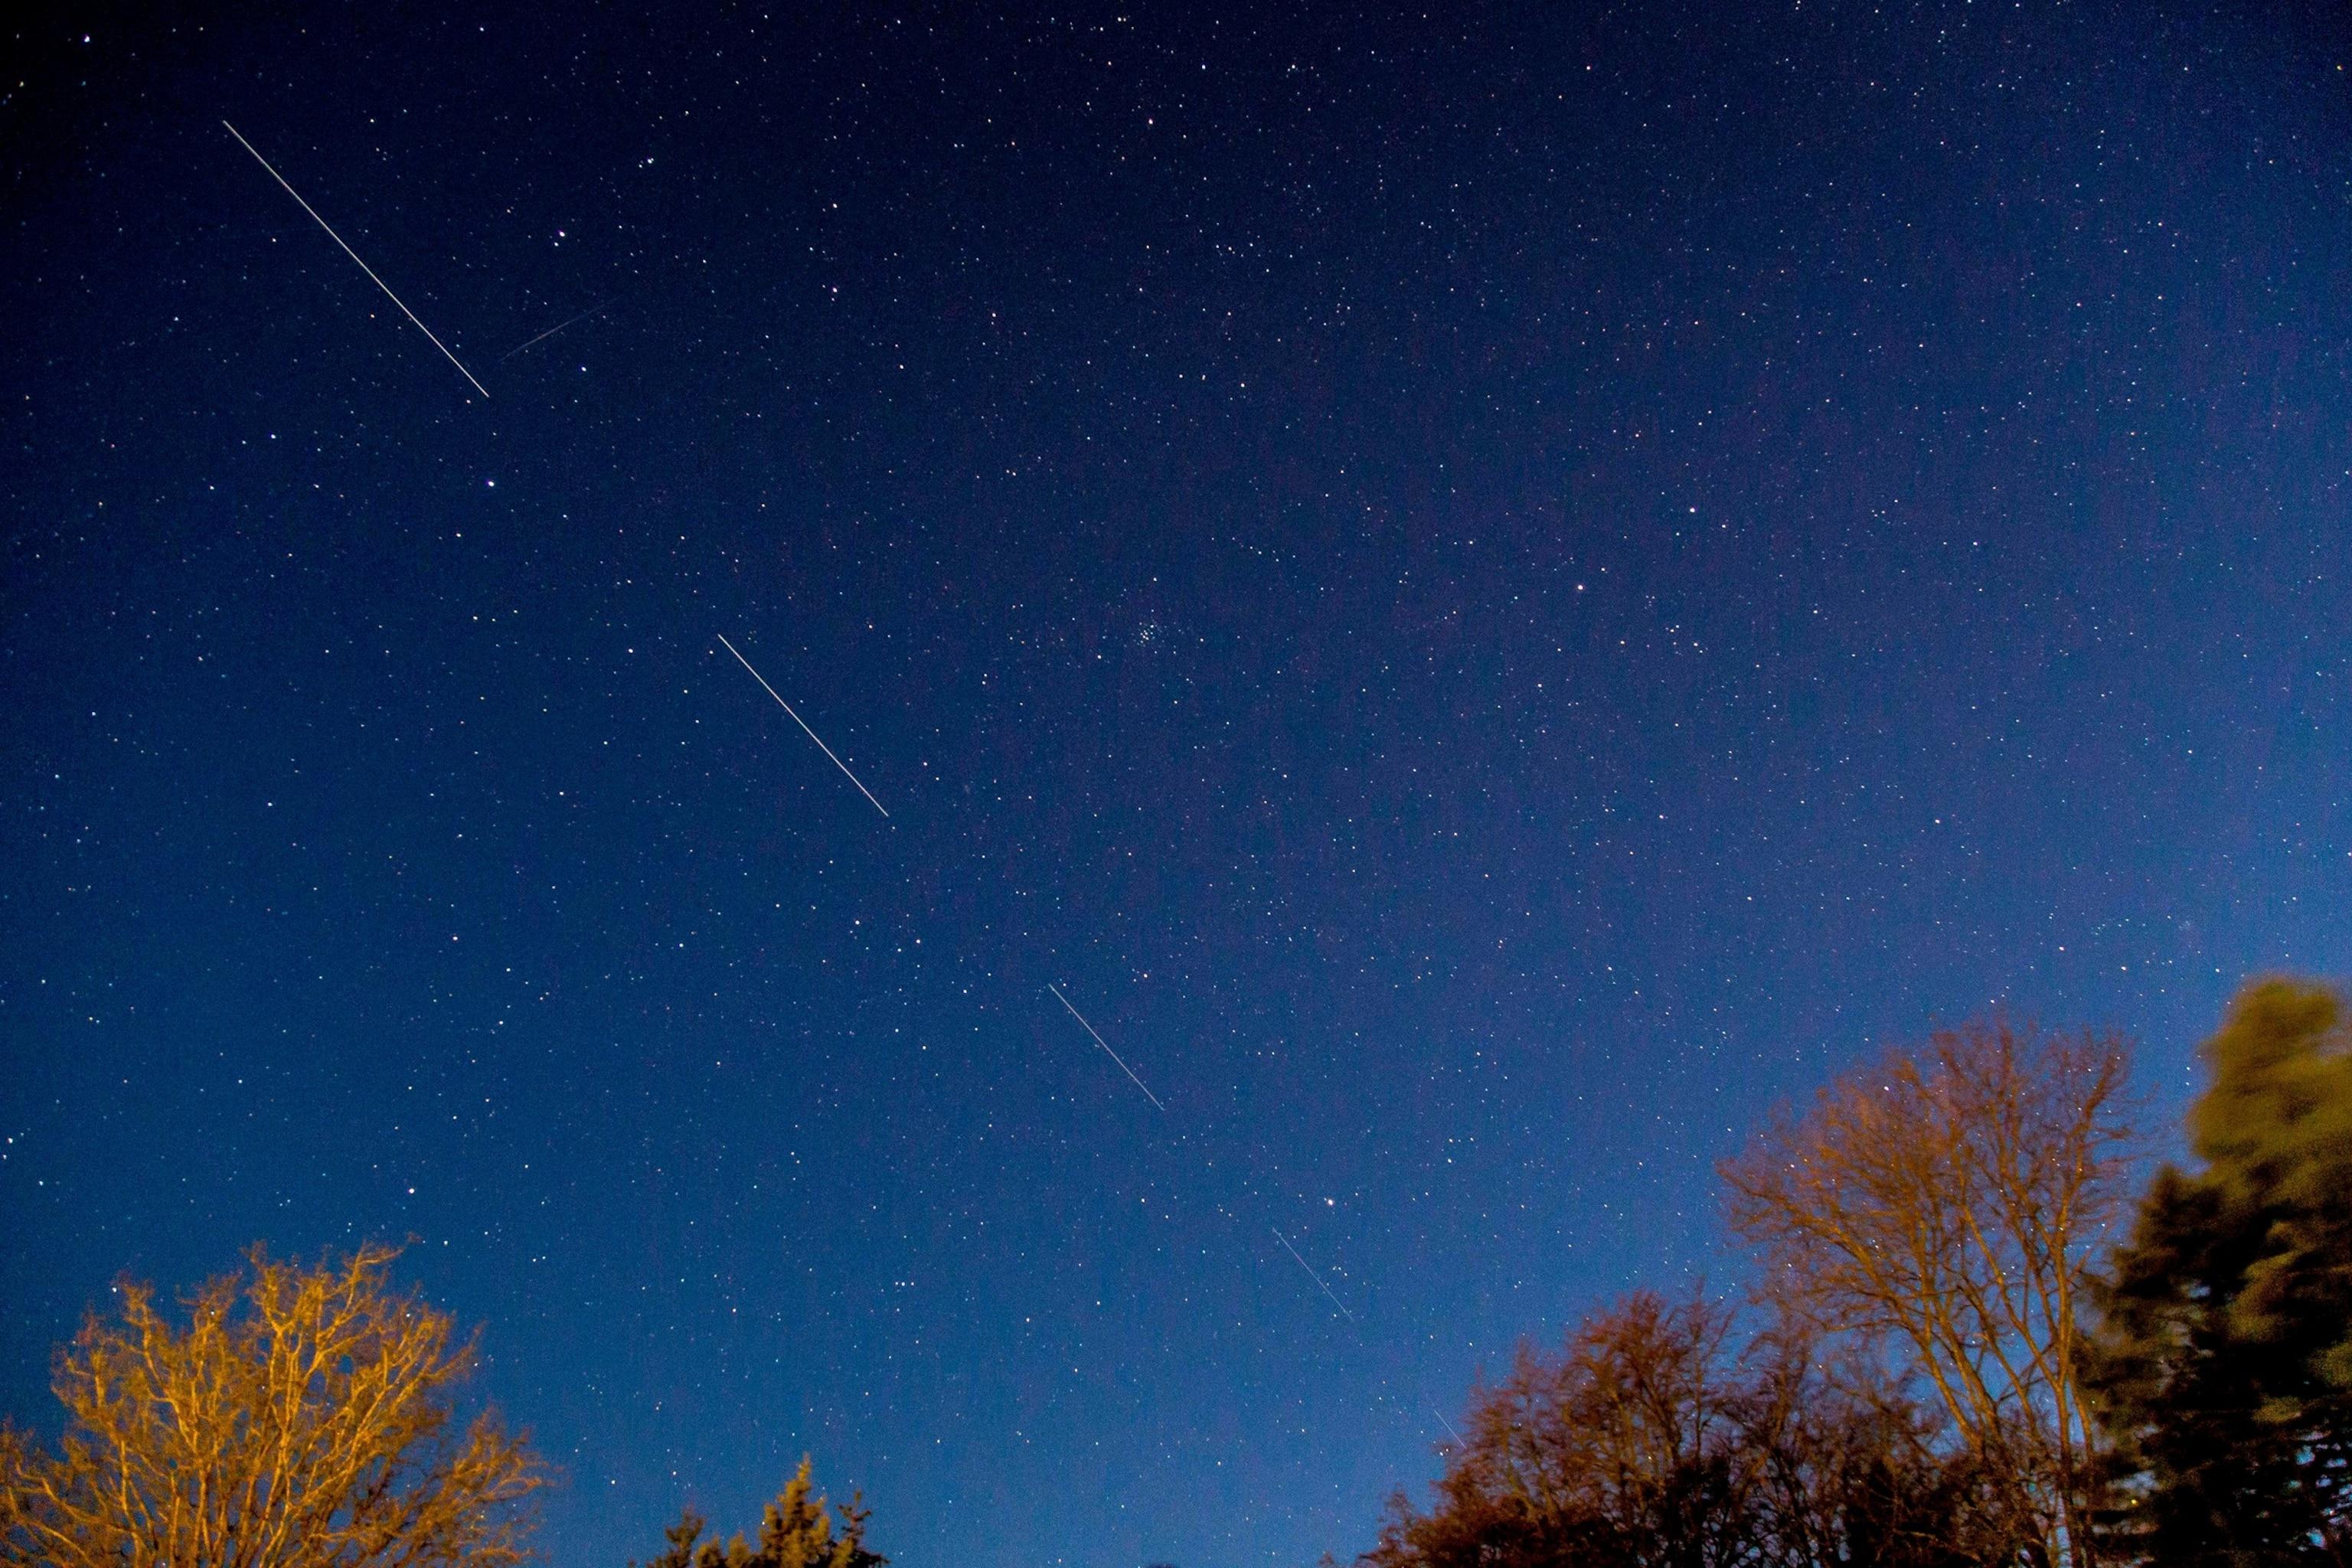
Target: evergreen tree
[
  {"x": 798, "y": 1532},
  {"x": 2226, "y": 1363}
]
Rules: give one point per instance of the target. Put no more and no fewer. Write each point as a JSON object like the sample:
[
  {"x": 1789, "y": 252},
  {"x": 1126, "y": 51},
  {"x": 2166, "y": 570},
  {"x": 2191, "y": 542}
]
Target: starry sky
[{"x": 1488, "y": 592}]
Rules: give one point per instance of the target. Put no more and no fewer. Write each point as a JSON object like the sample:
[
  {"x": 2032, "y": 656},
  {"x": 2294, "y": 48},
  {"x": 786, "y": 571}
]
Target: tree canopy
[
  {"x": 1654, "y": 1439},
  {"x": 798, "y": 1531},
  {"x": 1942, "y": 1208},
  {"x": 302, "y": 1419},
  {"x": 2226, "y": 1365}
]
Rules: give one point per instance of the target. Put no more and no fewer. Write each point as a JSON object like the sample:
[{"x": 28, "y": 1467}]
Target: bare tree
[
  {"x": 1653, "y": 1440},
  {"x": 302, "y": 1419},
  {"x": 1621, "y": 1449},
  {"x": 1943, "y": 1205}
]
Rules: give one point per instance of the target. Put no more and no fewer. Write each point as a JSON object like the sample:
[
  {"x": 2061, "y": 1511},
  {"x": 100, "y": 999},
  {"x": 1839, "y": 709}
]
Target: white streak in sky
[
  {"x": 1312, "y": 1275},
  {"x": 1449, "y": 1426},
  {"x": 355, "y": 257},
  {"x": 1114, "y": 1056},
  {"x": 552, "y": 331},
  {"x": 812, "y": 734}
]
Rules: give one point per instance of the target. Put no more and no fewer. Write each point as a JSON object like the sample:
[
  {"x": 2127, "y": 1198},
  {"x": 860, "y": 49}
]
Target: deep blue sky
[{"x": 1489, "y": 595}]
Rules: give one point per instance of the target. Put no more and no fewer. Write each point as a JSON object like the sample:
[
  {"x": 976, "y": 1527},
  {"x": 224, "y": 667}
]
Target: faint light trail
[
  {"x": 355, "y": 257},
  {"x": 1114, "y": 1056},
  {"x": 550, "y": 332},
  {"x": 812, "y": 734},
  {"x": 1312, "y": 1275},
  {"x": 1459, "y": 1440}
]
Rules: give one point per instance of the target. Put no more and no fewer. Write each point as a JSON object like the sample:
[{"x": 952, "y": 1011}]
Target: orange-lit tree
[
  {"x": 301, "y": 1418},
  {"x": 1942, "y": 1209}
]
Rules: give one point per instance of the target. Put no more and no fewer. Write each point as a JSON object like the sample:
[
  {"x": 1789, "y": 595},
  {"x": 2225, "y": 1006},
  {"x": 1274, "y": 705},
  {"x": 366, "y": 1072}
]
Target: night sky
[{"x": 1488, "y": 593}]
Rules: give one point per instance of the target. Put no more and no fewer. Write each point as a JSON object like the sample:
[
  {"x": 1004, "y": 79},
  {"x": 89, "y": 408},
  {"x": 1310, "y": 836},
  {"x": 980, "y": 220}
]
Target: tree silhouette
[
  {"x": 1647, "y": 1442},
  {"x": 2227, "y": 1364},
  {"x": 797, "y": 1532}
]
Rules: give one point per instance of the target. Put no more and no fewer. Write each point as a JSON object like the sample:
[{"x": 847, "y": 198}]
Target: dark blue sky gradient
[{"x": 1490, "y": 593}]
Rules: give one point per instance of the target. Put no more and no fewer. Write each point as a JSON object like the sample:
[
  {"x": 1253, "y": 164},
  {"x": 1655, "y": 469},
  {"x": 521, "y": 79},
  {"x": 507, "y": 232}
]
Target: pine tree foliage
[
  {"x": 2226, "y": 1363},
  {"x": 801, "y": 1530}
]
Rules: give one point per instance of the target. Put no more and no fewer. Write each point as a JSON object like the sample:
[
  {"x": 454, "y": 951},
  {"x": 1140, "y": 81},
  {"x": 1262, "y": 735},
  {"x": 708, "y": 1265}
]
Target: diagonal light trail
[
  {"x": 550, "y": 332},
  {"x": 1312, "y": 1275},
  {"x": 355, "y": 257},
  {"x": 812, "y": 734},
  {"x": 1139, "y": 1083},
  {"x": 1114, "y": 1056}
]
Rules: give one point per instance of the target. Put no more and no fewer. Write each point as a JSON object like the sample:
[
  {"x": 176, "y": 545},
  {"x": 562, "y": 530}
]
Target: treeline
[{"x": 1970, "y": 1340}]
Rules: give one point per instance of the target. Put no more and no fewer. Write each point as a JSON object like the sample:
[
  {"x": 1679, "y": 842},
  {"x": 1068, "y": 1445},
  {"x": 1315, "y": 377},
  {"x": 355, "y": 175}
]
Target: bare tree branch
[{"x": 302, "y": 1419}]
